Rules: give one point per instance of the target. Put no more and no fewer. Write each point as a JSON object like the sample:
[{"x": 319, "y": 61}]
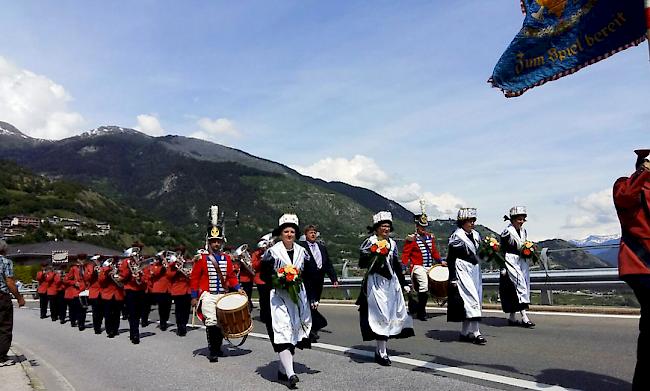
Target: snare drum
[
  {"x": 438, "y": 280},
  {"x": 83, "y": 298},
  {"x": 233, "y": 315}
]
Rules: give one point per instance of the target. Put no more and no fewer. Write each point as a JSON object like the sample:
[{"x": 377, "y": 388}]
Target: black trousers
[
  {"x": 112, "y": 312},
  {"x": 149, "y": 300},
  {"x": 265, "y": 302},
  {"x": 182, "y": 306},
  {"x": 640, "y": 284},
  {"x": 54, "y": 309},
  {"x": 61, "y": 306},
  {"x": 97, "y": 306},
  {"x": 43, "y": 299},
  {"x": 248, "y": 288},
  {"x": 164, "y": 301},
  {"x": 134, "y": 301},
  {"x": 6, "y": 323},
  {"x": 74, "y": 311}
]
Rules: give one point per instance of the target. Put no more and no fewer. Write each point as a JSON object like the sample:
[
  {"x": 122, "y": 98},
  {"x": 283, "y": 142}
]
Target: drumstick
[{"x": 193, "y": 315}]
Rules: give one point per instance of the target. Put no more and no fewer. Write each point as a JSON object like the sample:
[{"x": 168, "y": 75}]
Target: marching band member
[
  {"x": 382, "y": 311},
  {"x": 316, "y": 266},
  {"x": 180, "y": 292},
  {"x": 61, "y": 307},
  {"x": 51, "y": 293},
  {"x": 134, "y": 287},
  {"x": 212, "y": 277},
  {"x": 43, "y": 284},
  {"x": 160, "y": 290},
  {"x": 74, "y": 282},
  {"x": 149, "y": 297},
  {"x": 514, "y": 284},
  {"x": 290, "y": 322},
  {"x": 466, "y": 289},
  {"x": 263, "y": 289},
  {"x": 246, "y": 280},
  {"x": 632, "y": 202},
  {"x": 91, "y": 279},
  {"x": 420, "y": 253},
  {"x": 112, "y": 295}
]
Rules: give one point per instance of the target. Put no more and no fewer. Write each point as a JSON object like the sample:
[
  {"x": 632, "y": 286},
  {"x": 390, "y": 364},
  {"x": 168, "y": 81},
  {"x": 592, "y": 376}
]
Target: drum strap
[
  {"x": 240, "y": 342},
  {"x": 424, "y": 242},
  {"x": 218, "y": 269}
]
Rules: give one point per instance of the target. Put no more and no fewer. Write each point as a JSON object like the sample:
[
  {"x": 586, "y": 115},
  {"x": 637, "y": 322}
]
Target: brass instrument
[
  {"x": 114, "y": 273},
  {"x": 241, "y": 254},
  {"x": 137, "y": 265}
]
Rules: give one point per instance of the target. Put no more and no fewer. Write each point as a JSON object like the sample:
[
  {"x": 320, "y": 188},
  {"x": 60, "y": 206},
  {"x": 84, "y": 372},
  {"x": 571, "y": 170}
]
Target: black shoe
[
  {"x": 135, "y": 340},
  {"x": 313, "y": 337},
  {"x": 514, "y": 323},
  {"x": 385, "y": 362},
  {"x": 422, "y": 317},
  {"x": 479, "y": 340},
  {"x": 54, "y": 319},
  {"x": 181, "y": 333},
  {"x": 293, "y": 380},
  {"x": 82, "y": 328},
  {"x": 73, "y": 324},
  {"x": 282, "y": 376},
  {"x": 110, "y": 335},
  {"x": 98, "y": 331},
  {"x": 145, "y": 323},
  {"x": 43, "y": 317},
  {"x": 213, "y": 358},
  {"x": 528, "y": 325},
  {"x": 163, "y": 327}
]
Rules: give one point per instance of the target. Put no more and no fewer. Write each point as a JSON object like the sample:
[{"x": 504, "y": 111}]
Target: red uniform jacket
[
  {"x": 199, "y": 278},
  {"x": 244, "y": 274},
  {"x": 180, "y": 284},
  {"x": 74, "y": 283},
  {"x": 632, "y": 201},
  {"x": 41, "y": 277},
  {"x": 92, "y": 281},
  {"x": 51, "y": 285},
  {"x": 108, "y": 288},
  {"x": 130, "y": 282},
  {"x": 161, "y": 283},
  {"x": 256, "y": 261},
  {"x": 58, "y": 282},
  {"x": 412, "y": 252}
]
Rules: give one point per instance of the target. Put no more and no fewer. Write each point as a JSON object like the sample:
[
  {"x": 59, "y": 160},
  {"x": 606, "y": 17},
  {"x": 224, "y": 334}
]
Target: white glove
[
  {"x": 454, "y": 283},
  {"x": 407, "y": 289},
  {"x": 504, "y": 272},
  {"x": 314, "y": 305}
]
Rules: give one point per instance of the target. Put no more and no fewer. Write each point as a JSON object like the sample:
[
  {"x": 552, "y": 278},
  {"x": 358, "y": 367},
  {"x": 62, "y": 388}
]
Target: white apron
[
  {"x": 290, "y": 324},
  {"x": 469, "y": 278},
  {"x": 517, "y": 267},
  {"x": 387, "y": 313}
]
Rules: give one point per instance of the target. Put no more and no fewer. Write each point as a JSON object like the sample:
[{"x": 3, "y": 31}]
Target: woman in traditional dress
[
  {"x": 466, "y": 289},
  {"x": 290, "y": 322},
  {"x": 382, "y": 310},
  {"x": 514, "y": 283}
]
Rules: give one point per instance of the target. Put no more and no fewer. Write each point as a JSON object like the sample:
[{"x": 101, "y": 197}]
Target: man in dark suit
[{"x": 314, "y": 272}]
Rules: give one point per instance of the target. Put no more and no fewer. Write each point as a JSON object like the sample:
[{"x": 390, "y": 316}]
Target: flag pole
[{"x": 647, "y": 22}]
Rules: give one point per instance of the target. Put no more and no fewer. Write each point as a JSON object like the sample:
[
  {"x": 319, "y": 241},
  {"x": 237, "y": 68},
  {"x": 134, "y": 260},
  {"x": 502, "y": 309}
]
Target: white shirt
[{"x": 318, "y": 257}]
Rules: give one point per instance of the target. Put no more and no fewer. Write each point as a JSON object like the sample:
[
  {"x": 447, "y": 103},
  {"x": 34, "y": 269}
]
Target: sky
[{"x": 392, "y": 96}]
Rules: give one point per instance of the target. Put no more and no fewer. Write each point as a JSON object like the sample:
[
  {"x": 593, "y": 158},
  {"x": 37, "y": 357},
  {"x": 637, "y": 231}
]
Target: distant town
[{"x": 17, "y": 226}]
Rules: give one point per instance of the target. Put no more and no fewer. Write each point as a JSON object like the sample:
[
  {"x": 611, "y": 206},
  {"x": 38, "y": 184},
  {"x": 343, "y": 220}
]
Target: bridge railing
[{"x": 541, "y": 278}]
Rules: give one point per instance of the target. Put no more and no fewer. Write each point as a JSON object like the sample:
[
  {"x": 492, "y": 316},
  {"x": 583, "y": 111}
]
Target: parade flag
[{"x": 560, "y": 37}]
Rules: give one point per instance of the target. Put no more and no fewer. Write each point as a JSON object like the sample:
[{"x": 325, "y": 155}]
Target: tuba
[{"x": 241, "y": 254}]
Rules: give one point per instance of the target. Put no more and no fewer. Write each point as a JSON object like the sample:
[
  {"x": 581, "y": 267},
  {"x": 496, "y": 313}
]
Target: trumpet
[
  {"x": 113, "y": 273},
  {"x": 241, "y": 254}
]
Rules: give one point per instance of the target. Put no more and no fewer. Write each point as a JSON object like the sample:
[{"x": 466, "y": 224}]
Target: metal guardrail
[{"x": 544, "y": 281}]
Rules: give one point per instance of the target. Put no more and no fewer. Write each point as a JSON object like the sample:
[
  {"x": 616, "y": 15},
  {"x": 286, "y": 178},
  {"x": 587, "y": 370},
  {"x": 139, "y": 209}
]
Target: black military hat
[{"x": 421, "y": 219}]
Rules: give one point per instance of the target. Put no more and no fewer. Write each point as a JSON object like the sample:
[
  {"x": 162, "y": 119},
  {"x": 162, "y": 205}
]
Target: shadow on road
[
  {"x": 443, "y": 335},
  {"x": 269, "y": 372},
  {"x": 366, "y": 360},
  {"x": 582, "y": 380}
]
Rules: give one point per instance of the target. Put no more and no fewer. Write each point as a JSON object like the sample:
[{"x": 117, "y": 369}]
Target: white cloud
[
  {"x": 149, "y": 124},
  {"x": 217, "y": 130},
  {"x": 365, "y": 172},
  {"x": 35, "y": 104},
  {"x": 593, "y": 214}
]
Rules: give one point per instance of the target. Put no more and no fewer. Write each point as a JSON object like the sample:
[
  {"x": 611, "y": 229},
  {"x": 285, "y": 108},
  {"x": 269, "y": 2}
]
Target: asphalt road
[
  {"x": 66, "y": 359},
  {"x": 572, "y": 351}
]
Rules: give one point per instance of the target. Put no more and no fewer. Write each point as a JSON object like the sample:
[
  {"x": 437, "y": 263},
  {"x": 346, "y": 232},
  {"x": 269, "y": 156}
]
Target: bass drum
[
  {"x": 438, "y": 281},
  {"x": 233, "y": 315}
]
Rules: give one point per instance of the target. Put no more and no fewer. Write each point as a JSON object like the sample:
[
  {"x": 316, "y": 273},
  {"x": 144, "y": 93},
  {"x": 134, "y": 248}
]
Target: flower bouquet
[
  {"x": 289, "y": 279},
  {"x": 490, "y": 250},
  {"x": 529, "y": 251},
  {"x": 378, "y": 253}
]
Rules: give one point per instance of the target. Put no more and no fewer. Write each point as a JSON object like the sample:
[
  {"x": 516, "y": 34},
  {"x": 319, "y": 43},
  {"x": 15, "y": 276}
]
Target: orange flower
[
  {"x": 384, "y": 251},
  {"x": 281, "y": 270},
  {"x": 374, "y": 248},
  {"x": 526, "y": 252},
  {"x": 290, "y": 277}
]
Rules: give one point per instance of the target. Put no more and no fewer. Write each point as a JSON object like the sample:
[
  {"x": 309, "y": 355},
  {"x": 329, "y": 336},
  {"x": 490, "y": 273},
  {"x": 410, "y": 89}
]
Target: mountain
[
  {"x": 176, "y": 179},
  {"x": 609, "y": 255},
  {"x": 572, "y": 258},
  {"x": 10, "y": 137},
  {"x": 24, "y": 193}
]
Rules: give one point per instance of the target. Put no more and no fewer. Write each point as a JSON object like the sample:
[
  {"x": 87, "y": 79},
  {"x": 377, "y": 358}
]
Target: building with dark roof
[{"x": 35, "y": 253}]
